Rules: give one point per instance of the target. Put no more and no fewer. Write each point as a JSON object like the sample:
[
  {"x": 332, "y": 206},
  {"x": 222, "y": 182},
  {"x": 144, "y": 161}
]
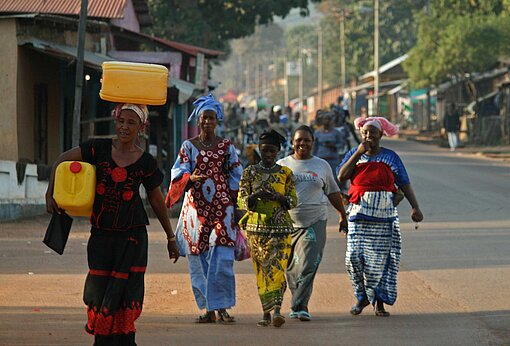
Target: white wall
[{"x": 31, "y": 191}]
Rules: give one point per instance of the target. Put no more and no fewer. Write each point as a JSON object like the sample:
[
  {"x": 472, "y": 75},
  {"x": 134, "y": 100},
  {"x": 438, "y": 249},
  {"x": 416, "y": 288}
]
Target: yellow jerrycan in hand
[{"x": 75, "y": 187}]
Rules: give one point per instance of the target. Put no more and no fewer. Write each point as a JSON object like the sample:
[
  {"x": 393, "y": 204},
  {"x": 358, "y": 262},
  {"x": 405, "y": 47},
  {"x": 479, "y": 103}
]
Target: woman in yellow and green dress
[{"x": 267, "y": 191}]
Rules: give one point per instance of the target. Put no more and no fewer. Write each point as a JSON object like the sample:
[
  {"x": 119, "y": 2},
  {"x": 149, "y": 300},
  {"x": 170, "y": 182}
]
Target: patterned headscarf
[
  {"x": 205, "y": 103},
  {"x": 383, "y": 124},
  {"x": 272, "y": 137},
  {"x": 140, "y": 110}
]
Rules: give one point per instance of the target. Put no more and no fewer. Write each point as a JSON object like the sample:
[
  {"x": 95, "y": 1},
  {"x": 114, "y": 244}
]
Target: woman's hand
[
  {"x": 195, "y": 176},
  {"x": 173, "y": 250},
  {"x": 342, "y": 226},
  {"x": 363, "y": 147},
  {"x": 416, "y": 215},
  {"x": 276, "y": 196},
  {"x": 51, "y": 205}
]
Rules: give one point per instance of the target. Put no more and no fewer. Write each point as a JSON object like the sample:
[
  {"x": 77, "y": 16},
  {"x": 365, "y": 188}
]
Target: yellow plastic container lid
[
  {"x": 75, "y": 187},
  {"x": 129, "y": 82}
]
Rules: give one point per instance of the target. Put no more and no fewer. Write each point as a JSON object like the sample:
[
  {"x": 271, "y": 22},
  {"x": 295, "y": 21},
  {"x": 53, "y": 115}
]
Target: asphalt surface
[{"x": 453, "y": 280}]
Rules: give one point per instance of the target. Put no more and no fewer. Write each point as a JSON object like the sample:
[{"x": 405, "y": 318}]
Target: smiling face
[
  {"x": 303, "y": 143},
  {"x": 268, "y": 153},
  {"x": 371, "y": 134},
  {"x": 208, "y": 121},
  {"x": 127, "y": 125}
]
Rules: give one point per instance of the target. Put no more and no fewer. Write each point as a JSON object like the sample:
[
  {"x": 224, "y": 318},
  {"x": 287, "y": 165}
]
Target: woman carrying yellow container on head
[{"x": 117, "y": 247}]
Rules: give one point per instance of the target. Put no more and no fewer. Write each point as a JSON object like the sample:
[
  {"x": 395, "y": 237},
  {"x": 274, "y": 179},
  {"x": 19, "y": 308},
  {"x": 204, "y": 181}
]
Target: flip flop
[
  {"x": 278, "y": 321},
  {"x": 224, "y": 317},
  {"x": 263, "y": 323},
  {"x": 359, "y": 306},
  {"x": 304, "y": 316},
  {"x": 205, "y": 318},
  {"x": 382, "y": 313},
  {"x": 379, "y": 309},
  {"x": 294, "y": 315}
]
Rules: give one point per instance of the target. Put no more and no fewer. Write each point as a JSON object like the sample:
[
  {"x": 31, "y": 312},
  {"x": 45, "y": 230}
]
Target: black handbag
[{"x": 57, "y": 232}]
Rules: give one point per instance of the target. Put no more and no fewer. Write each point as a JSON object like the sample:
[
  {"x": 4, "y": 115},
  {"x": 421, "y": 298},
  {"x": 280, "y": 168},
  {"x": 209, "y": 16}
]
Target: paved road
[{"x": 453, "y": 282}]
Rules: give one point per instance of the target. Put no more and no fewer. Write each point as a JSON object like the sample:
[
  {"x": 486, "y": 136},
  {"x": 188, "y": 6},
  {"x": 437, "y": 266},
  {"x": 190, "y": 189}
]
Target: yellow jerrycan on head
[
  {"x": 129, "y": 82},
  {"x": 75, "y": 187}
]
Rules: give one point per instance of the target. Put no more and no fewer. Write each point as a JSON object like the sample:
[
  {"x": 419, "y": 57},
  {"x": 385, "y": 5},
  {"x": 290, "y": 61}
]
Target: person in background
[
  {"x": 373, "y": 241},
  {"x": 315, "y": 186},
  {"x": 207, "y": 172},
  {"x": 328, "y": 141},
  {"x": 451, "y": 125},
  {"x": 363, "y": 112},
  {"x": 274, "y": 117},
  {"x": 118, "y": 244},
  {"x": 345, "y": 105},
  {"x": 267, "y": 191}
]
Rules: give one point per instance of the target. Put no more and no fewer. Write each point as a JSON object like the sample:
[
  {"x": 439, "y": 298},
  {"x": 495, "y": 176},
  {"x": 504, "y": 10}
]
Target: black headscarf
[{"x": 272, "y": 137}]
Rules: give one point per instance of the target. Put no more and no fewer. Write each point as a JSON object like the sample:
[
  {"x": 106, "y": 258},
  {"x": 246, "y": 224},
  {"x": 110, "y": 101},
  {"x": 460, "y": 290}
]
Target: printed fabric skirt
[
  {"x": 372, "y": 259},
  {"x": 114, "y": 287},
  {"x": 213, "y": 279},
  {"x": 270, "y": 255}
]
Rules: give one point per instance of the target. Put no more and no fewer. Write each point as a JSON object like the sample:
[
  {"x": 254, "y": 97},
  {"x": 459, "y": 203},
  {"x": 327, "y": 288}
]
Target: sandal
[
  {"x": 304, "y": 316},
  {"x": 263, "y": 323},
  {"x": 208, "y": 317},
  {"x": 359, "y": 306},
  {"x": 278, "y": 320},
  {"x": 380, "y": 311},
  {"x": 224, "y": 317}
]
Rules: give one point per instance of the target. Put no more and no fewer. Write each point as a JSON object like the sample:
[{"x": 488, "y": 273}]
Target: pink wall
[{"x": 130, "y": 20}]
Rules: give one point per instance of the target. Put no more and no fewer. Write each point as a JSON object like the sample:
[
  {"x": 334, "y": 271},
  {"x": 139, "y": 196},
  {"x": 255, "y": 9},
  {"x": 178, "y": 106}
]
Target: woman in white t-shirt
[{"x": 315, "y": 185}]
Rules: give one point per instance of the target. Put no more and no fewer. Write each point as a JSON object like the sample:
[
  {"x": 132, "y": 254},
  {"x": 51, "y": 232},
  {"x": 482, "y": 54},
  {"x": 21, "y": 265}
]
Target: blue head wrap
[{"x": 205, "y": 103}]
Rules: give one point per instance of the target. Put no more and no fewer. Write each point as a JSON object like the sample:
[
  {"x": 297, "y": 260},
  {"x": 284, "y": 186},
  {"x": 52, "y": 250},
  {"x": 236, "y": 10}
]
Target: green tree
[
  {"x": 456, "y": 38},
  {"x": 396, "y": 30},
  {"x": 212, "y": 23}
]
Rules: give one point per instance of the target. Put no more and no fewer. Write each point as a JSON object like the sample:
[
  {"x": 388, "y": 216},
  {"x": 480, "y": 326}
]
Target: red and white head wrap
[
  {"x": 140, "y": 110},
  {"x": 383, "y": 124}
]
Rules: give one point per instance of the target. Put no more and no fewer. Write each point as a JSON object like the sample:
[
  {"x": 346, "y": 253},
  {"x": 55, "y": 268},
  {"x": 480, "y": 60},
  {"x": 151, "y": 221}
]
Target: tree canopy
[
  {"x": 212, "y": 23},
  {"x": 458, "y": 37}
]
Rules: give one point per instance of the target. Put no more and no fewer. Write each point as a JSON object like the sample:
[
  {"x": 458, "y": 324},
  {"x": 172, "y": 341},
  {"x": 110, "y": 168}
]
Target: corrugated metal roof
[
  {"x": 93, "y": 60},
  {"x": 184, "y": 47},
  {"x": 112, "y": 9}
]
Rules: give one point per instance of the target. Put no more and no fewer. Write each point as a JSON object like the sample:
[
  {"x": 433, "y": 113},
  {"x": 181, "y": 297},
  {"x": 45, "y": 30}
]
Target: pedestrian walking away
[
  {"x": 330, "y": 144},
  {"x": 207, "y": 172},
  {"x": 451, "y": 123},
  {"x": 117, "y": 247},
  {"x": 267, "y": 191},
  {"x": 315, "y": 185},
  {"x": 373, "y": 241}
]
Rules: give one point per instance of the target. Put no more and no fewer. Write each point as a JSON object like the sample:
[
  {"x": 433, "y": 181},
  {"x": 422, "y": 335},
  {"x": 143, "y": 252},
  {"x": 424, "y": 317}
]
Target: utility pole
[
  {"x": 82, "y": 26},
  {"x": 319, "y": 68},
  {"x": 286, "y": 89},
  {"x": 376, "y": 58},
  {"x": 274, "y": 86},
  {"x": 247, "y": 76},
  {"x": 342, "y": 47},
  {"x": 264, "y": 77},
  {"x": 257, "y": 77},
  {"x": 301, "y": 75}
]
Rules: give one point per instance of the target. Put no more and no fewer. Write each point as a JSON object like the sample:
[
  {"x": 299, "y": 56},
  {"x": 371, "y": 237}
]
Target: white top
[{"x": 314, "y": 182}]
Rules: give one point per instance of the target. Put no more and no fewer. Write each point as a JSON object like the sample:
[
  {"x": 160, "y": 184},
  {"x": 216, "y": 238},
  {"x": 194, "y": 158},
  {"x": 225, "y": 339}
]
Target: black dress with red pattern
[{"x": 117, "y": 248}]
